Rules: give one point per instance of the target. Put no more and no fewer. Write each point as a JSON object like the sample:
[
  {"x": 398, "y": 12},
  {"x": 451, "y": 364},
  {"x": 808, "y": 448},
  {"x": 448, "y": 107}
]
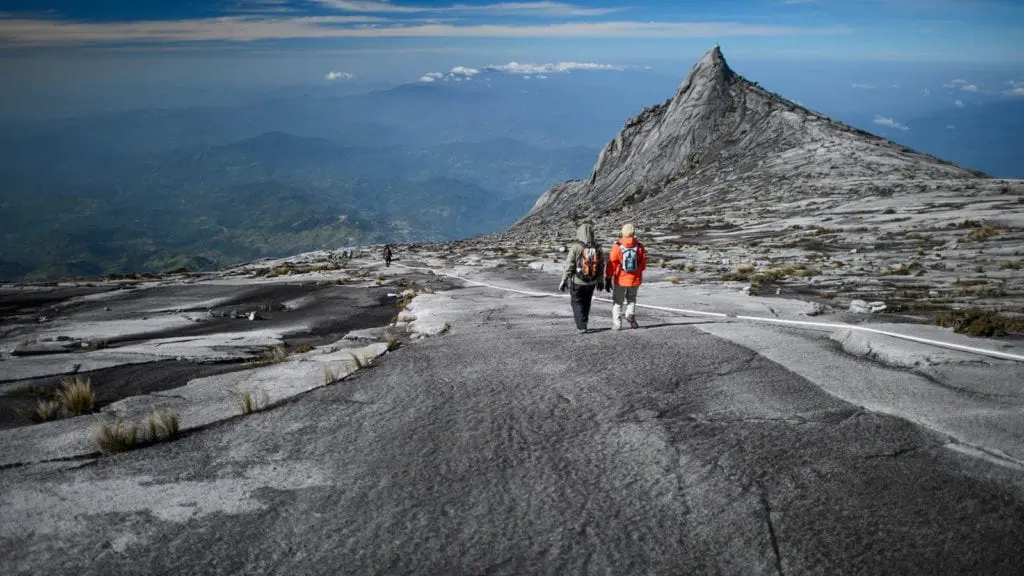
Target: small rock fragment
[{"x": 859, "y": 307}]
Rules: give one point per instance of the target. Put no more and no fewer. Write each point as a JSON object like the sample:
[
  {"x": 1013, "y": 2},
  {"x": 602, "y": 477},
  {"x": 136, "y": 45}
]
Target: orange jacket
[{"x": 614, "y": 267}]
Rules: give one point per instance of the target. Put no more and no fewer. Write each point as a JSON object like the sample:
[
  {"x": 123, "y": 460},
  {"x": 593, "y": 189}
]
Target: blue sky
[
  {"x": 131, "y": 53},
  {"x": 963, "y": 30}
]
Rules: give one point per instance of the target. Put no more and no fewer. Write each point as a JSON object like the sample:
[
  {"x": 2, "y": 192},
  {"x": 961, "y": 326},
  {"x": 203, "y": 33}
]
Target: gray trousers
[{"x": 623, "y": 297}]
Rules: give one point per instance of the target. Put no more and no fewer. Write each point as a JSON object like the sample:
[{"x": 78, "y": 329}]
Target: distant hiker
[
  {"x": 584, "y": 272},
  {"x": 627, "y": 261},
  {"x": 387, "y": 255}
]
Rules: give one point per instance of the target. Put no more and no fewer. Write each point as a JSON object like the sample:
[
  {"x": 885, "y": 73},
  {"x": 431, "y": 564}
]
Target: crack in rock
[
  {"x": 898, "y": 453},
  {"x": 771, "y": 529}
]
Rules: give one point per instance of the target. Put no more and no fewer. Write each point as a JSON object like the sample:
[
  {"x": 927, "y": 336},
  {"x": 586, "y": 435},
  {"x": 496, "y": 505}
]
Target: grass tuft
[
  {"x": 673, "y": 279},
  {"x": 302, "y": 349},
  {"x": 1010, "y": 265},
  {"x": 119, "y": 436},
  {"x": 272, "y": 355},
  {"x": 249, "y": 402},
  {"x": 75, "y": 396},
  {"x": 392, "y": 340},
  {"x": 45, "y": 410},
  {"x": 162, "y": 424},
  {"x": 330, "y": 377}
]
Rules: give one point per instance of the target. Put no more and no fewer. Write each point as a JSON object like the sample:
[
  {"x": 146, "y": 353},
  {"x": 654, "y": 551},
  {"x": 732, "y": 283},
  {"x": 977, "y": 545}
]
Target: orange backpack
[{"x": 589, "y": 263}]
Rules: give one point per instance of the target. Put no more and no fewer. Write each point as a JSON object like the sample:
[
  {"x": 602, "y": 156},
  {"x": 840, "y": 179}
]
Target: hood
[
  {"x": 627, "y": 241},
  {"x": 585, "y": 233}
]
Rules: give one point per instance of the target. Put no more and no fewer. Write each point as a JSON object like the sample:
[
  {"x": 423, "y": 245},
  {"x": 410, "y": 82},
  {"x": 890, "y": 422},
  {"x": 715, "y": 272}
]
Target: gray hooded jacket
[{"x": 584, "y": 237}]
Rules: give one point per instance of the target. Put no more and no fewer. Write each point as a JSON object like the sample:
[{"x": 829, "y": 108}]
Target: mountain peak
[
  {"x": 711, "y": 68},
  {"x": 717, "y": 130}
]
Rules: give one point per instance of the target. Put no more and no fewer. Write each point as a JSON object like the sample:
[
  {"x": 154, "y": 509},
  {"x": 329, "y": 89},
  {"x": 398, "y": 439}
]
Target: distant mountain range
[{"x": 270, "y": 195}]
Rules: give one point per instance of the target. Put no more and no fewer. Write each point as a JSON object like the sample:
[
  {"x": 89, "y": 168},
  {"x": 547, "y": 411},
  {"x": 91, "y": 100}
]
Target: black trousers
[{"x": 581, "y": 297}]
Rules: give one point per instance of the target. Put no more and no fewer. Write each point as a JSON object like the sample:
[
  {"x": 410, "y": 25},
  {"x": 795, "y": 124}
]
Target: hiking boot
[
  {"x": 582, "y": 330},
  {"x": 632, "y": 323},
  {"x": 617, "y": 326}
]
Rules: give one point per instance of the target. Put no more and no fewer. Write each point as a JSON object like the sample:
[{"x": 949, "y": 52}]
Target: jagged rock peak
[
  {"x": 712, "y": 66},
  {"x": 720, "y": 134}
]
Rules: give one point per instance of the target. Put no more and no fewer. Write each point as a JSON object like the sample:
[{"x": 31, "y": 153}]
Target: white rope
[{"x": 797, "y": 323}]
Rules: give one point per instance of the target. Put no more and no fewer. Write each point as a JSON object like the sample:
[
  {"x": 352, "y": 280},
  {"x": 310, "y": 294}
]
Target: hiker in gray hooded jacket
[{"x": 584, "y": 273}]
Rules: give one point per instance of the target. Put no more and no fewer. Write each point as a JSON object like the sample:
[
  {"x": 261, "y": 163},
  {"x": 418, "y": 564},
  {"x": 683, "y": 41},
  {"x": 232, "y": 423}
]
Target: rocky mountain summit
[{"x": 728, "y": 181}]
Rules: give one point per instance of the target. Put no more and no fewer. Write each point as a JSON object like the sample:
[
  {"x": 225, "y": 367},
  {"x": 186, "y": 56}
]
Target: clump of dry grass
[
  {"x": 1010, "y": 265},
  {"x": 673, "y": 279},
  {"x": 361, "y": 361},
  {"x": 75, "y": 395},
  {"x": 249, "y": 402},
  {"x": 392, "y": 339},
  {"x": 272, "y": 355},
  {"x": 121, "y": 435},
  {"x": 302, "y": 349},
  {"x": 162, "y": 424},
  {"x": 45, "y": 410},
  {"x": 330, "y": 377}
]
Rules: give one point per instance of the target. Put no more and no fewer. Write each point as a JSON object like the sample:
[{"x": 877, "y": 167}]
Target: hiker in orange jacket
[{"x": 626, "y": 264}]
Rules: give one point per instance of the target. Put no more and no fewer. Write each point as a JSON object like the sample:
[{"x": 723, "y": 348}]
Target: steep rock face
[{"x": 721, "y": 134}]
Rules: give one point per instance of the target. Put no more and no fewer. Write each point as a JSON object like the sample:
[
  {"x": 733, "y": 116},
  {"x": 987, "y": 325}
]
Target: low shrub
[
  {"x": 974, "y": 322},
  {"x": 982, "y": 234}
]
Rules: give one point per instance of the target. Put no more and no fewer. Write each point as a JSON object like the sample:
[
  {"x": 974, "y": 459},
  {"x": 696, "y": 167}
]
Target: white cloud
[
  {"x": 969, "y": 88},
  {"x": 926, "y": 92},
  {"x": 863, "y": 86},
  {"x": 540, "y": 8},
  {"x": 950, "y": 127},
  {"x": 334, "y": 75},
  {"x": 555, "y": 68},
  {"x": 1019, "y": 91},
  {"x": 431, "y": 77},
  {"x": 463, "y": 71},
  {"x": 959, "y": 103},
  {"x": 883, "y": 121},
  {"x": 39, "y": 31},
  {"x": 542, "y": 77},
  {"x": 895, "y": 86},
  {"x": 526, "y": 77},
  {"x": 960, "y": 81}
]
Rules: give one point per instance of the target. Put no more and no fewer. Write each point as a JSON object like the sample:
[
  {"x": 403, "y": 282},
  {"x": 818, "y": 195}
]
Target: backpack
[
  {"x": 630, "y": 257},
  {"x": 588, "y": 264}
]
